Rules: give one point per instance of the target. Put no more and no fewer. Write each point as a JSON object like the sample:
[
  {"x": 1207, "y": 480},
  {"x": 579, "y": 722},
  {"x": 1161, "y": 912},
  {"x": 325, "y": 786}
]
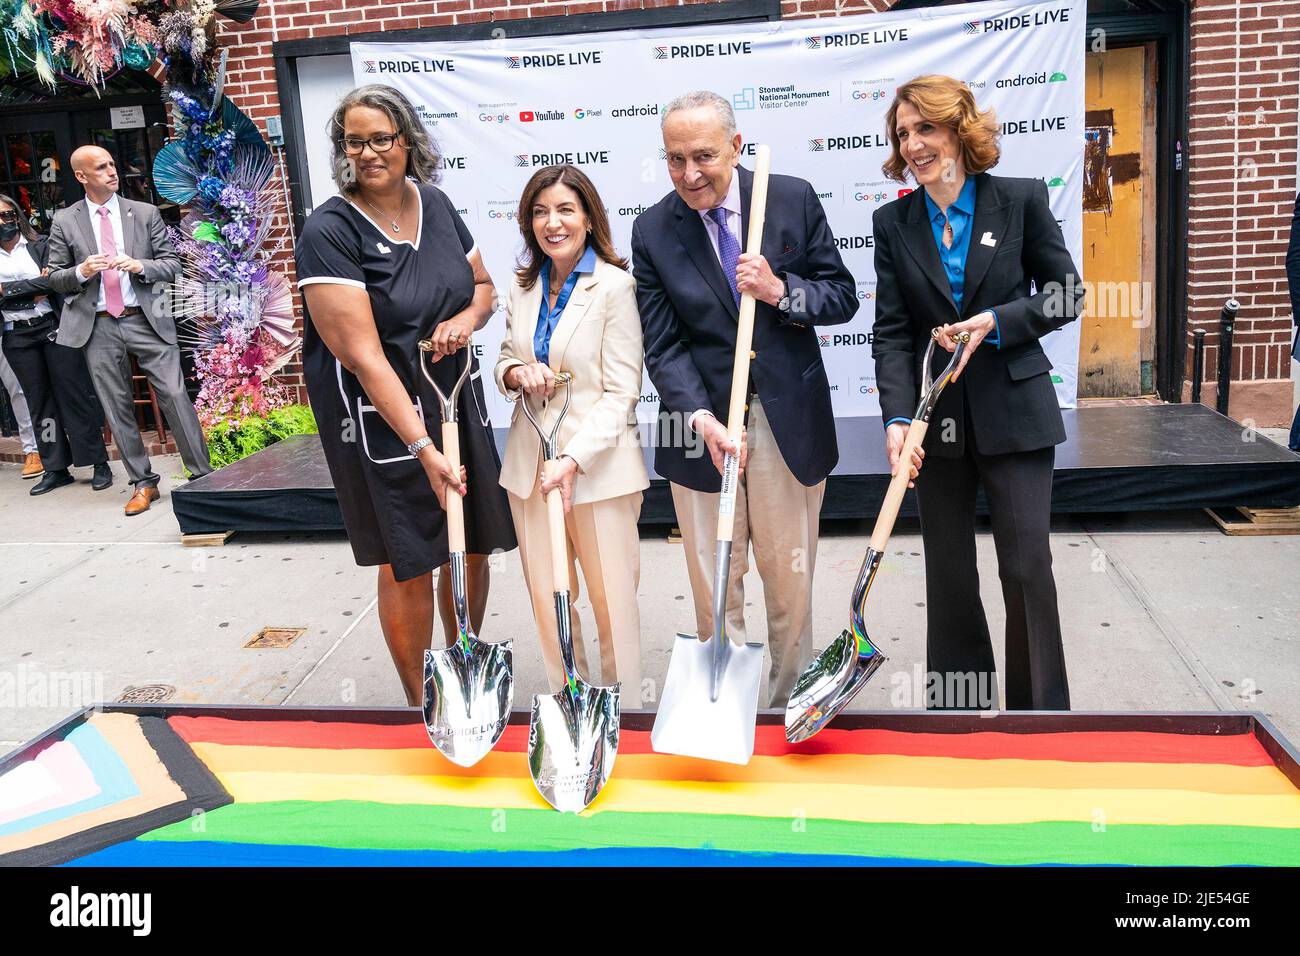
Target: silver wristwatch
[
  {"x": 784, "y": 305},
  {"x": 419, "y": 445}
]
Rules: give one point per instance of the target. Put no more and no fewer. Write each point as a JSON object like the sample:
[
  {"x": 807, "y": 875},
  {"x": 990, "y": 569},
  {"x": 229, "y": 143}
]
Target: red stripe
[{"x": 1081, "y": 746}]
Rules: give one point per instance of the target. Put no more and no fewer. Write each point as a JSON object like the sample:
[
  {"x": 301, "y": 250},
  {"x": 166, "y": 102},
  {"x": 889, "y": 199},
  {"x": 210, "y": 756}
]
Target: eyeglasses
[
  {"x": 380, "y": 143},
  {"x": 8, "y": 216}
]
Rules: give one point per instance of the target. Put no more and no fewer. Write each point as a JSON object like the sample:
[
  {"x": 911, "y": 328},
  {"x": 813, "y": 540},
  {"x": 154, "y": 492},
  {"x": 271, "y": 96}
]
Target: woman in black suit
[
  {"x": 959, "y": 253},
  {"x": 65, "y": 410}
]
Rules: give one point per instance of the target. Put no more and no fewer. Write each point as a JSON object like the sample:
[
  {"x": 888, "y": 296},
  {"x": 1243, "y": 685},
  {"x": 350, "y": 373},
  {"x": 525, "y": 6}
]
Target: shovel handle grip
[
  {"x": 897, "y": 486},
  {"x": 745, "y": 325},
  {"x": 455, "y": 506},
  {"x": 744, "y": 341},
  {"x": 559, "y": 540}
]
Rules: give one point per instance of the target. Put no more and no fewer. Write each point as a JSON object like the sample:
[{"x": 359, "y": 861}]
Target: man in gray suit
[{"x": 110, "y": 258}]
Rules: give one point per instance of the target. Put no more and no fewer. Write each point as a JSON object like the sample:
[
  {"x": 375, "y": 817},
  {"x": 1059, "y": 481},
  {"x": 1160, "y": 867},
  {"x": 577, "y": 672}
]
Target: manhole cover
[
  {"x": 276, "y": 636},
  {"x": 147, "y": 694}
]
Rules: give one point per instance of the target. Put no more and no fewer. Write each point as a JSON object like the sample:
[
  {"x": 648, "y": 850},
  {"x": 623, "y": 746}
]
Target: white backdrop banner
[{"x": 816, "y": 91}]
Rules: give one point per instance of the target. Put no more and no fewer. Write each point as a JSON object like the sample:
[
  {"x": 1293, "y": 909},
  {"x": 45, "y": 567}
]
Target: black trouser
[
  {"x": 66, "y": 414},
  {"x": 959, "y": 653}
]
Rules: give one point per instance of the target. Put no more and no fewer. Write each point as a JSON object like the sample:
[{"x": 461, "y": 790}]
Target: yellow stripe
[
  {"x": 866, "y": 804},
  {"x": 883, "y": 770}
]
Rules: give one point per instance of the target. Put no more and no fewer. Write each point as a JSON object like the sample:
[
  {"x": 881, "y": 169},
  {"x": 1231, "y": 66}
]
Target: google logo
[
  {"x": 493, "y": 117},
  {"x": 495, "y": 214},
  {"x": 871, "y": 95},
  {"x": 870, "y": 197}
]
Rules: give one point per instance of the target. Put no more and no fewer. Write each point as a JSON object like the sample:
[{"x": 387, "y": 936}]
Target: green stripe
[{"x": 359, "y": 824}]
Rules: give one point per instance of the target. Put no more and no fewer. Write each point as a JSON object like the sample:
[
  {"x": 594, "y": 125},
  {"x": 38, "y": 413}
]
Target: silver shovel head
[
  {"x": 827, "y": 685},
  {"x": 572, "y": 743},
  {"x": 703, "y": 717},
  {"x": 468, "y": 692}
]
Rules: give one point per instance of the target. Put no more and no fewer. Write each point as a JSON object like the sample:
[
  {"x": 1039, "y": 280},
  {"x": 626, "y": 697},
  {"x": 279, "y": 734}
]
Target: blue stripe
[{"x": 187, "y": 853}]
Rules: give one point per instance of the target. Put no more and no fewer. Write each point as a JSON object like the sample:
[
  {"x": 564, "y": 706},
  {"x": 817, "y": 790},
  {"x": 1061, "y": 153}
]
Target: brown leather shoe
[
  {"x": 32, "y": 467},
  {"x": 141, "y": 500}
]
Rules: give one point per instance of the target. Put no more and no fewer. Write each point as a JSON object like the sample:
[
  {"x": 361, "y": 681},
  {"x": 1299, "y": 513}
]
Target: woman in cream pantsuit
[{"x": 573, "y": 308}]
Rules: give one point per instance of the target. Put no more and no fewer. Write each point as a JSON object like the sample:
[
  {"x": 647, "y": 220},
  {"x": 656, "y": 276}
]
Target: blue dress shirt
[
  {"x": 548, "y": 318},
  {"x": 961, "y": 215}
]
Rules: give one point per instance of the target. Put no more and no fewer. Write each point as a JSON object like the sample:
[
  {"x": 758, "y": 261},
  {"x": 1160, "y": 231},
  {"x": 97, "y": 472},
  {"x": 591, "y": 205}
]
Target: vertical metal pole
[
  {"x": 1227, "y": 319},
  {"x": 1198, "y": 364}
]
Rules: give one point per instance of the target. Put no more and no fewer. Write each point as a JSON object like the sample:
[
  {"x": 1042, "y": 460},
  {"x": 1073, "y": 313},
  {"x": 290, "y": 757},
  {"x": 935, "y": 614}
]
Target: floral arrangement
[
  {"x": 234, "y": 438},
  {"x": 86, "y": 41}
]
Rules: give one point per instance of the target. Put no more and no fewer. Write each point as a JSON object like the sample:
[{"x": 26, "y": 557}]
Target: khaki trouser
[
  {"x": 778, "y": 516},
  {"x": 603, "y": 537}
]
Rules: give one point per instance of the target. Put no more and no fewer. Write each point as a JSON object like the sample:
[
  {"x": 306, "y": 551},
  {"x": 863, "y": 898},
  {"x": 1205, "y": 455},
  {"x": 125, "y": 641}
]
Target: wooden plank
[
  {"x": 1284, "y": 515},
  {"x": 214, "y": 540},
  {"x": 1250, "y": 524}
]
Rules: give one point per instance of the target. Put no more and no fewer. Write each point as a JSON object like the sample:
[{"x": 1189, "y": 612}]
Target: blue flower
[{"x": 210, "y": 188}]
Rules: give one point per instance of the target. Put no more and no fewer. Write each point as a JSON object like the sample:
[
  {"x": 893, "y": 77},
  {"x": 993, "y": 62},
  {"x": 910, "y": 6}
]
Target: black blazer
[
  {"x": 688, "y": 319},
  {"x": 1012, "y": 403},
  {"x": 22, "y": 294}
]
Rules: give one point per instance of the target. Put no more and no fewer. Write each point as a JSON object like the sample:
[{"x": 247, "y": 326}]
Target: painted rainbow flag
[{"x": 354, "y": 793}]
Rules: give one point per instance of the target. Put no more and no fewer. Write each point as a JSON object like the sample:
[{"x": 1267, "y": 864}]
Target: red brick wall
[{"x": 1244, "y": 100}]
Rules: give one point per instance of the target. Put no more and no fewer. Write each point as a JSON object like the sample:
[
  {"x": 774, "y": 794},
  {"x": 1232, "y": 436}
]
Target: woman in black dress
[{"x": 384, "y": 265}]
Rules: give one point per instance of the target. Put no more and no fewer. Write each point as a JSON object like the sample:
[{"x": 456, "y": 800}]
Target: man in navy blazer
[{"x": 691, "y": 273}]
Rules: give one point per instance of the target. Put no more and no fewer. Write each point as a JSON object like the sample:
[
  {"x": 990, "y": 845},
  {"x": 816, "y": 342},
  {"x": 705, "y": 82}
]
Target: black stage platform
[{"x": 1116, "y": 458}]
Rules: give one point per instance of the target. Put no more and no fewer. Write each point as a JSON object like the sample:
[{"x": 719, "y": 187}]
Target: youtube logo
[{"x": 527, "y": 116}]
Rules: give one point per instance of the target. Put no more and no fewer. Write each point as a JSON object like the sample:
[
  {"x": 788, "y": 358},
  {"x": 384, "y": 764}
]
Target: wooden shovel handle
[
  {"x": 559, "y": 540},
  {"x": 744, "y": 334},
  {"x": 897, "y": 486},
  {"x": 745, "y": 325},
  {"x": 455, "y": 506}
]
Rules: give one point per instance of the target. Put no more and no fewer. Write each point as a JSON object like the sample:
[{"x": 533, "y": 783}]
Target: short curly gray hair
[
  {"x": 422, "y": 158},
  {"x": 691, "y": 101}
]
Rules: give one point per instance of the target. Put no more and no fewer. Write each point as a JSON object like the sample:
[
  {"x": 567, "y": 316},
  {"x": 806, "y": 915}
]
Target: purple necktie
[{"x": 728, "y": 250}]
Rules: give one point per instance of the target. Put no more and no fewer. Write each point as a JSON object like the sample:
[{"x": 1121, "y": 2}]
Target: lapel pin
[{"x": 988, "y": 240}]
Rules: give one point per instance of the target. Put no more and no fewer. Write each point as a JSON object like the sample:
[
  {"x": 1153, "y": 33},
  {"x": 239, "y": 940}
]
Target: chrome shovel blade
[
  {"x": 827, "y": 685},
  {"x": 694, "y": 722},
  {"x": 468, "y": 691},
  {"x": 572, "y": 743}
]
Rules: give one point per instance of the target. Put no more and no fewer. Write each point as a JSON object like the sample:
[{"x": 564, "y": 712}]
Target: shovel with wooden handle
[
  {"x": 573, "y": 734},
  {"x": 839, "y": 672},
  {"x": 710, "y": 700},
  {"x": 469, "y": 686}
]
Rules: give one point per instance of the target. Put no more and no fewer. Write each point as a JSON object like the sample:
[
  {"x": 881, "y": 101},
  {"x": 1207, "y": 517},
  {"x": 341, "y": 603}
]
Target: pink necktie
[{"x": 111, "y": 278}]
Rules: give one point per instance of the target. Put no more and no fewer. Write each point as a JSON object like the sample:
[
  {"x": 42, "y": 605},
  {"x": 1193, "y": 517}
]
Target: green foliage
[{"x": 232, "y": 439}]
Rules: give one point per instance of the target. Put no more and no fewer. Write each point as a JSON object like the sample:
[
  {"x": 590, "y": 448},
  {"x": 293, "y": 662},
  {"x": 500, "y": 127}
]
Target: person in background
[
  {"x": 959, "y": 254},
  {"x": 32, "y": 467},
  {"x": 109, "y": 259},
  {"x": 54, "y": 378},
  {"x": 572, "y": 307},
  {"x": 383, "y": 265},
  {"x": 1293, "y": 284}
]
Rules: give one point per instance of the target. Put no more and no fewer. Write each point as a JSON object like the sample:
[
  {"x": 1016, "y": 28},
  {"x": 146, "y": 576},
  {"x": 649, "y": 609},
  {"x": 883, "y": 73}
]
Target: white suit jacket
[{"x": 598, "y": 339}]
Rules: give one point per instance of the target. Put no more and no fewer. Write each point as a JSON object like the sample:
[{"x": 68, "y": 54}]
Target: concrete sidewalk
[{"x": 1160, "y": 612}]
